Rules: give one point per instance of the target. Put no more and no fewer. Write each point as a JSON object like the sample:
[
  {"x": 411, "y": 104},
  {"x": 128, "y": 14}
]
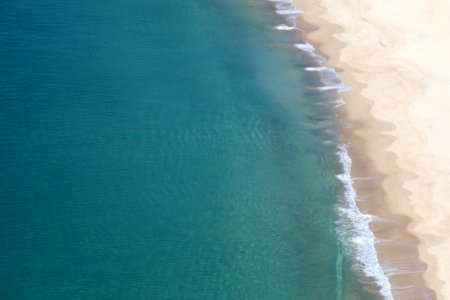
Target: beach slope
[{"x": 396, "y": 54}]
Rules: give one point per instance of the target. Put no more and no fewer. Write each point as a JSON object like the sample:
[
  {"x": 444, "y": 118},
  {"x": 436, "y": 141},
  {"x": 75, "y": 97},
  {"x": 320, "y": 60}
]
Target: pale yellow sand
[{"x": 401, "y": 50}]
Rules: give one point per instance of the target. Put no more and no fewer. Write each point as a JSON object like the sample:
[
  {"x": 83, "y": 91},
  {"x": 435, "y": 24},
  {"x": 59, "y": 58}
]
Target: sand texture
[{"x": 396, "y": 56}]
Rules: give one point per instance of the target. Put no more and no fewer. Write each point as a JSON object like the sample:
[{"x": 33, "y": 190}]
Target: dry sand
[{"x": 396, "y": 56}]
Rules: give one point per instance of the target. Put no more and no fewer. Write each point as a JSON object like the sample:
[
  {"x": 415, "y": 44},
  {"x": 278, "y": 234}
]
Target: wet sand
[{"x": 394, "y": 55}]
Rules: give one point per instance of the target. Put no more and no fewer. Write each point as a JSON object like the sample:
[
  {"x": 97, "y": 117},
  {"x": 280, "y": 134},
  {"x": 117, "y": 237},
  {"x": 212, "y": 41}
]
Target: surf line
[{"x": 352, "y": 226}]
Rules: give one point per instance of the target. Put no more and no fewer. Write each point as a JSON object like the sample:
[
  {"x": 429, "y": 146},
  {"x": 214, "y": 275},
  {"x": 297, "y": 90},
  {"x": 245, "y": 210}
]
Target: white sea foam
[
  {"x": 316, "y": 69},
  {"x": 309, "y": 49},
  {"x": 289, "y": 11},
  {"x": 286, "y": 8},
  {"x": 336, "y": 87},
  {"x": 282, "y": 2},
  {"x": 354, "y": 229},
  {"x": 318, "y": 59},
  {"x": 330, "y": 79},
  {"x": 338, "y": 102},
  {"x": 284, "y": 27},
  {"x": 305, "y": 47}
]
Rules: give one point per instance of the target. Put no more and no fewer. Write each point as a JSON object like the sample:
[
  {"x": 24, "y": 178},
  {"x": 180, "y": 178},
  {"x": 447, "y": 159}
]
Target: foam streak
[{"x": 352, "y": 226}]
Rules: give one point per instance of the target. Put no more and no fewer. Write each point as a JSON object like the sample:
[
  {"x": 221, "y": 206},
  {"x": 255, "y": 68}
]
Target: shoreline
[{"x": 391, "y": 141}]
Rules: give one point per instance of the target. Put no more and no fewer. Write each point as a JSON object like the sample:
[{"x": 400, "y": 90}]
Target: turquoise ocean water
[{"x": 165, "y": 150}]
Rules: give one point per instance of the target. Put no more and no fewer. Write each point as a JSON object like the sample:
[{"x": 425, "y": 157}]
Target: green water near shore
[{"x": 163, "y": 150}]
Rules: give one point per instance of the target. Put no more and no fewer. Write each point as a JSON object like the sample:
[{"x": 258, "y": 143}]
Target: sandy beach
[{"x": 395, "y": 56}]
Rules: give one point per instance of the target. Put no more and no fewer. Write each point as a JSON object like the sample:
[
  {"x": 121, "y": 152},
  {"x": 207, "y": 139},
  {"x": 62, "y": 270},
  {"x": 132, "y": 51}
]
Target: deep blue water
[{"x": 163, "y": 150}]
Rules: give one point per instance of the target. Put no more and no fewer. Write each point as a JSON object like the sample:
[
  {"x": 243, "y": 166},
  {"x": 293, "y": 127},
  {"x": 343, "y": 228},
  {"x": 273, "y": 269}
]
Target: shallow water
[{"x": 164, "y": 150}]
